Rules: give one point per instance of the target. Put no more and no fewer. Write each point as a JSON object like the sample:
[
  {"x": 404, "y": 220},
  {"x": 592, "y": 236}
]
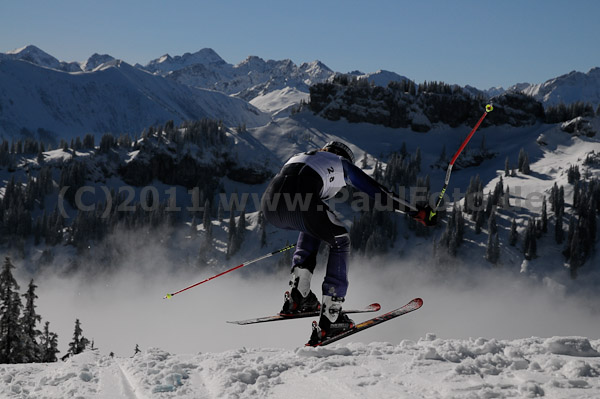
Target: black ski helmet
[{"x": 340, "y": 149}]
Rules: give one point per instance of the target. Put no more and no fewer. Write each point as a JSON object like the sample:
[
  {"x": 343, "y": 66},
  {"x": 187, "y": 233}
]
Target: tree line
[
  {"x": 20, "y": 339},
  {"x": 578, "y": 239}
]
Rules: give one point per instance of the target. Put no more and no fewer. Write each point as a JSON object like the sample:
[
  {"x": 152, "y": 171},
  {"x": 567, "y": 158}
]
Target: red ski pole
[
  {"x": 488, "y": 108},
  {"x": 169, "y": 296}
]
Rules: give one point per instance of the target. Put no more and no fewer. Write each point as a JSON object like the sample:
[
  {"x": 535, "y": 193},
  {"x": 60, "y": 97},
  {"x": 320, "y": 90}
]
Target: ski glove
[{"x": 424, "y": 215}]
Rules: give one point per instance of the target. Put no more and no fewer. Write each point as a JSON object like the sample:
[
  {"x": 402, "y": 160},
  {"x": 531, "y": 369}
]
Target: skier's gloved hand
[{"x": 424, "y": 215}]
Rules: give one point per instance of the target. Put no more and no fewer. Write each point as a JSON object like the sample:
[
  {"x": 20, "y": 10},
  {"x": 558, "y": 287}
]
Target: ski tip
[
  {"x": 418, "y": 301},
  {"x": 374, "y": 307}
]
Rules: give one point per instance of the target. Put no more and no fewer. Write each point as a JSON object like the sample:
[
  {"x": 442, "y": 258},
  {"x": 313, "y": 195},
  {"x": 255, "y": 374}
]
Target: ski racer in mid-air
[{"x": 315, "y": 177}]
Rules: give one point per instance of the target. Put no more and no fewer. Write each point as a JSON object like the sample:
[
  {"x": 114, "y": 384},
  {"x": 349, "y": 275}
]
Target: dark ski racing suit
[{"x": 295, "y": 200}]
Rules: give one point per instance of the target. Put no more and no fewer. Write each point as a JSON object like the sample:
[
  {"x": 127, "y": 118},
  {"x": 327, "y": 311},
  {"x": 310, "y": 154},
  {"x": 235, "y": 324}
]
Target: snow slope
[
  {"x": 557, "y": 367},
  {"x": 39, "y": 57},
  {"x": 568, "y": 88},
  {"x": 279, "y": 102},
  {"x": 116, "y": 98}
]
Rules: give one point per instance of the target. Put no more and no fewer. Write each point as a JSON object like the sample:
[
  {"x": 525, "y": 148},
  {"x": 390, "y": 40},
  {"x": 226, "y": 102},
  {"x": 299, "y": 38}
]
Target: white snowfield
[{"x": 558, "y": 367}]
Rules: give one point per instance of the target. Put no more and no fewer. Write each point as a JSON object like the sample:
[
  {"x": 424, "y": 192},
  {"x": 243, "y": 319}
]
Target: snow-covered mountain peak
[
  {"x": 164, "y": 58},
  {"x": 568, "y": 88},
  {"x": 95, "y": 61},
  {"x": 35, "y": 55},
  {"x": 167, "y": 63},
  {"x": 383, "y": 77},
  {"x": 316, "y": 70},
  {"x": 29, "y": 49},
  {"x": 252, "y": 62}
]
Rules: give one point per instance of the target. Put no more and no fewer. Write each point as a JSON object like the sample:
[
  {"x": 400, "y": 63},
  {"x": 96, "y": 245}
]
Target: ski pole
[
  {"x": 488, "y": 108},
  {"x": 169, "y": 296}
]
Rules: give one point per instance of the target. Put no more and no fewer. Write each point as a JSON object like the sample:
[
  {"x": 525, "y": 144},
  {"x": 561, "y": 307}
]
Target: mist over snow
[
  {"x": 479, "y": 334},
  {"x": 124, "y": 307}
]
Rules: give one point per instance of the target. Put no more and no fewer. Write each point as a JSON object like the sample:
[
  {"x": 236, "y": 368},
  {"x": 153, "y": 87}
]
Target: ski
[
  {"x": 374, "y": 307},
  {"x": 409, "y": 307}
]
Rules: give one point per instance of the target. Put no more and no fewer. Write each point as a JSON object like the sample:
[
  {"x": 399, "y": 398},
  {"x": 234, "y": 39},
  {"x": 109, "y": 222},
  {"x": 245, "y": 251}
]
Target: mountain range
[{"x": 40, "y": 95}]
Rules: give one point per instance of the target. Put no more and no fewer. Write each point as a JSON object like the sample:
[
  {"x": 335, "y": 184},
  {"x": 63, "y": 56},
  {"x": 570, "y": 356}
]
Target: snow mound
[
  {"x": 571, "y": 346},
  {"x": 557, "y": 367}
]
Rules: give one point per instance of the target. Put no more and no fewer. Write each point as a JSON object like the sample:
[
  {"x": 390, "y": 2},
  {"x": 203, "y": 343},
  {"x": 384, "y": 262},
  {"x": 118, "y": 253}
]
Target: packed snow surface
[{"x": 557, "y": 367}]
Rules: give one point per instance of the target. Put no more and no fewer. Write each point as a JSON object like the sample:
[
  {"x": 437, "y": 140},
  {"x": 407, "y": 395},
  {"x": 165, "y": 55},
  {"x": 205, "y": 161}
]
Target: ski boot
[
  {"x": 300, "y": 299},
  {"x": 332, "y": 321}
]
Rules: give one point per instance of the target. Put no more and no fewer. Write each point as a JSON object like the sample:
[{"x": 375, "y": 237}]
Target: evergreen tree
[
  {"x": 514, "y": 234},
  {"x": 489, "y": 205},
  {"x": 262, "y": 226},
  {"x": 544, "y": 216},
  {"x": 570, "y": 234},
  {"x": 11, "y": 332},
  {"x": 79, "y": 342},
  {"x": 523, "y": 164},
  {"x": 506, "y": 198},
  {"x": 573, "y": 174},
  {"x": 241, "y": 227},
  {"x": 492, "y": 225},
  {"x": 554, "y": 197},
  {"x": 31, "y": 349},
  {"x": 417, "y": 161},
  {"x": 559, "y": 234},
  {"x": 561, "y": 200},
  {"x": 40, "y": 157},
  {"x": 193, "y": 227},
  {"x": 136, "y": 350},
  {"x": 576, "y": 257},
  {"x": 403, "y": 150},
  {"x": 492, "y": 252},
  {"x": 526, "y": 169},
  {"x": 498, "y": 192},
  {"x": 529, "y": 241},
  {"x": 232, "y": 236},
  {"x": 205, "y": 247},
  {"x": 206, "y": 220},
  {"x": 364, "y": 161},
  {"x": 452, "y": 243},
  {"x": 479, "y": 221},
  {"x": 48, "y": 345},
  {"x": 220, "y": 213},
  {"x": 506, "y": 168},
  {"x": 459, "y": 222},
  {"x": 496, "y": 247}
]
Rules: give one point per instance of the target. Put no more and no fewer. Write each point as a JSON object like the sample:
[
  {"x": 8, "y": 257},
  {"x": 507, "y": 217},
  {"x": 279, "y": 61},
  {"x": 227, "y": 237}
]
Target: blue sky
[{"x": 481, "y": 43}]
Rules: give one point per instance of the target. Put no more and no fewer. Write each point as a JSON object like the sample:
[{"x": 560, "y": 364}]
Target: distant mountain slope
[
  {"x": 206, "y": 69},
  {"x": 166, "y": 63},
  {"x": 250, "y": 80},
  {"x": 116, "y": 98},
  {"x": 383, "y": 78},
  {"x": 569, "y": 88},
  {"x": 39, "y": 57}
]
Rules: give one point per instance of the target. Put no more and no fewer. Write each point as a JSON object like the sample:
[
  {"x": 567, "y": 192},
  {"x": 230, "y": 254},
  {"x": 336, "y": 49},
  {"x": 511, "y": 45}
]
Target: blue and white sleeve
[{"x": 358, "y": 179}]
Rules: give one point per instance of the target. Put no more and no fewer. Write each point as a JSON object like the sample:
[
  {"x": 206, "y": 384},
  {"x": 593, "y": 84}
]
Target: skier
[{"x": 307, "y": 180}]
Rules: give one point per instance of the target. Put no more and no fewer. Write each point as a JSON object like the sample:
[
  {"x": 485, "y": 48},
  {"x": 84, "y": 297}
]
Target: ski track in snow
[
  {"x": 114, "y": 383},
  {"x": 558, "y": 367}
]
